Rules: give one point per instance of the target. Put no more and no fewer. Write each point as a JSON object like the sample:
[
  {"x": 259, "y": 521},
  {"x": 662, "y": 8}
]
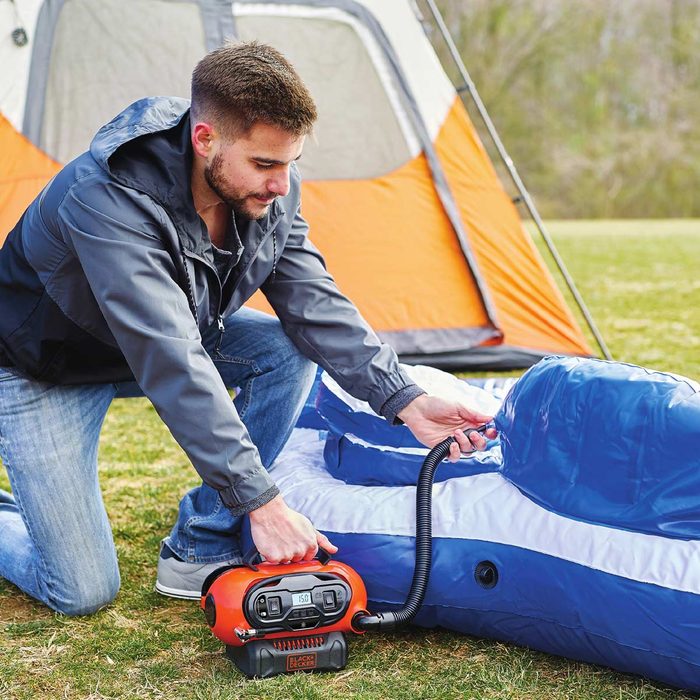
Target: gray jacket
[{"x": 109, "y": 276}]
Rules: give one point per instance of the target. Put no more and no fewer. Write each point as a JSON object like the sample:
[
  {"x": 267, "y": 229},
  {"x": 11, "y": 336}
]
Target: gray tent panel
[
  {"x": 136, "y": 58},
  {"x": 487, "y": 357},
  {"x": 358, "y": 134}
]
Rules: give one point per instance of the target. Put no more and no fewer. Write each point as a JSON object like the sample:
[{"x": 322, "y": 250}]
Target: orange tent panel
[
  {"x": 390, "y": 247},
  {"x": 530, "y": 308},
  {"x": 24, "y": 170}
]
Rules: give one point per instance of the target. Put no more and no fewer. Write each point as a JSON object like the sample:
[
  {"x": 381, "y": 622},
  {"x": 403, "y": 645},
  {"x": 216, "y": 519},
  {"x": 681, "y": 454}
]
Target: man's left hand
[{"x": 432, "y": 419}]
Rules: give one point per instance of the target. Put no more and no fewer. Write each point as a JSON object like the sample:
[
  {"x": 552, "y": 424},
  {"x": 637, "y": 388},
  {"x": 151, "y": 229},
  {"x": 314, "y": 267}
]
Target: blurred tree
[{"x": 597, "y": 101}]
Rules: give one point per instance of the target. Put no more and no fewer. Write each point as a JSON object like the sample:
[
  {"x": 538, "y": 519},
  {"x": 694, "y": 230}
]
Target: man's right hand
[{"x": 281, "y": 534}]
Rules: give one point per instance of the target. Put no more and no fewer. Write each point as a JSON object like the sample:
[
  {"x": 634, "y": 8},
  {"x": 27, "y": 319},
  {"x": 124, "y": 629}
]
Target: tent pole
[{"x": 508, "y": 162}]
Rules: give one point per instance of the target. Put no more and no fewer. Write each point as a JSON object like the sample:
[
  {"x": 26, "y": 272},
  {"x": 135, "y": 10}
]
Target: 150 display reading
[{"x": 303, "y": 598}]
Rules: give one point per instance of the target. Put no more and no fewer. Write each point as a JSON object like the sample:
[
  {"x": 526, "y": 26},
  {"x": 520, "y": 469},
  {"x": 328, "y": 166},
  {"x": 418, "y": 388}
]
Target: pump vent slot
[{"x": 299, "y": 643}]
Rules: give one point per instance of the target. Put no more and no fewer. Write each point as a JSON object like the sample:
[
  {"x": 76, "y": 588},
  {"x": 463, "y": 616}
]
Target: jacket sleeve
[
  {"x": 114, "y": 234},
  {"x": 327, "y": 327}
]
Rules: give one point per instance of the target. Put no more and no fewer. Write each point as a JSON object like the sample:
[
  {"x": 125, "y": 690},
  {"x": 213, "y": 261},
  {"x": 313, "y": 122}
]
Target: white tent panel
[
  {"x": 426, "y": 77},
  {"x": 15, "y": 60},
  {"x": 95, "y": 71}
]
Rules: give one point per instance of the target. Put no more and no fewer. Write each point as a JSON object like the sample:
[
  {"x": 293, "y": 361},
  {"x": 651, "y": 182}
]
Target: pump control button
[
  {"x": 328, "y": 600},
  {"x": 274, "y": 605}
]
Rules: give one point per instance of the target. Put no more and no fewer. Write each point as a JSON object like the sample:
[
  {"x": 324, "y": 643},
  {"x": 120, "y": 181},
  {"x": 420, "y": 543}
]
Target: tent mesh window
[
  {"x": 362, "y": 131},
  {"x": 108, "y": 54}
]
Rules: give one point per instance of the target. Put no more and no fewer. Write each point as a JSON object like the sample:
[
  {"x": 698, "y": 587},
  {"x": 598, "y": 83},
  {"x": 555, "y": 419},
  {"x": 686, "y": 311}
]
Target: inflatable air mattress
[{"x": 579, "y": 539}]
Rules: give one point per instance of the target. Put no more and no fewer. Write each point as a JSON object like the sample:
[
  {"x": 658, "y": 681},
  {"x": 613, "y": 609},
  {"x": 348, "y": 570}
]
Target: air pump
[{"x": 281, "y": 618}]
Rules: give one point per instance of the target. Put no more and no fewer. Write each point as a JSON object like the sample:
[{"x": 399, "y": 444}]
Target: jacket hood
[
  {"x": 147, "y": 147},
  {"x": 146, "y": 116}
]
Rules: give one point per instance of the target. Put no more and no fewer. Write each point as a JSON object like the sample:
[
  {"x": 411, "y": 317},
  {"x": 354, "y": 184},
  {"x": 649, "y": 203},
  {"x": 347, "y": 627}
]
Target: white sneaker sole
[{"x": 176, "y": 592}]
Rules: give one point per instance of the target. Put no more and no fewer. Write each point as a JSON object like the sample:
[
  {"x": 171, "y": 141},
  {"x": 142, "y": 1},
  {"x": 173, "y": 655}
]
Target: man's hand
[
  {"x": 432, "y": 419},
  {"x": 281, "y": 534}
]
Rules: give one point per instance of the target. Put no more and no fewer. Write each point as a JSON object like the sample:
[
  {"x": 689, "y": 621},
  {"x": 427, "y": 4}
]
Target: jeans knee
[
  {"x": 305, "y": 369},
  {"x": 88, "y": 596},
  {"x": 289, "y": 360},
  {"x": 292, "y": 357}
]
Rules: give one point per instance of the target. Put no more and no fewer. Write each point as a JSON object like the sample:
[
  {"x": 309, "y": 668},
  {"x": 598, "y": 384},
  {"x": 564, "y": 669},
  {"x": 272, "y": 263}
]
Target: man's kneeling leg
[{"x": 55, "y": 539}]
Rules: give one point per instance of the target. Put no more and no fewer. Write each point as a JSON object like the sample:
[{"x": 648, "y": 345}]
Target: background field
[
  {"x": 597, "y": 102},
  {"x": 640, "y": 280}
]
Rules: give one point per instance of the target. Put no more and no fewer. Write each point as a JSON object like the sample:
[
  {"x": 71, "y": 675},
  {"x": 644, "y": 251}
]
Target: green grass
[{"x": 641, "y": 284}]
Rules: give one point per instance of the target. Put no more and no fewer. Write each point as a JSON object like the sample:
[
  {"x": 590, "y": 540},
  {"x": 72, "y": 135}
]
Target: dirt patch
[{"x": 16, "y": 607}]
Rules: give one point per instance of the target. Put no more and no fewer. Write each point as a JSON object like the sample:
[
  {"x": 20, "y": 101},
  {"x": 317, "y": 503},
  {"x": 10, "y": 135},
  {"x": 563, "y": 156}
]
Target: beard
[{"x": 242, "y": 204}]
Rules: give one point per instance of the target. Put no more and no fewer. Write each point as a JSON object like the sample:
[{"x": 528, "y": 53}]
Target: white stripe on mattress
[{"x": 483, "y": 507}]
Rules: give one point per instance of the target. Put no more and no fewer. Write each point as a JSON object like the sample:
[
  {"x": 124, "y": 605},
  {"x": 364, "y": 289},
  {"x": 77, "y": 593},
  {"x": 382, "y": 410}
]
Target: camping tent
[{"x": 401, "y": 196}]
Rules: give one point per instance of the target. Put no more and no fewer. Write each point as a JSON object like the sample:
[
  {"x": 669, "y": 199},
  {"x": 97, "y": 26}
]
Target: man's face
[{"x": 252, "y": 171}]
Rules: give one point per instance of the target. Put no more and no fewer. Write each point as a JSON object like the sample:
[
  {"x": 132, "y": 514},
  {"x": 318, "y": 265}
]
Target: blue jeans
[{"x": 55, "y": 539}]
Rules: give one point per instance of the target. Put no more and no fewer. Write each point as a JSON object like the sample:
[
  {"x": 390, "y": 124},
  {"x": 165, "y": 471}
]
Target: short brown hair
[{"x": 237, "y": 85}]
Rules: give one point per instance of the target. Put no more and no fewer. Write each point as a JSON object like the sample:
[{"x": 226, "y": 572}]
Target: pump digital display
[{"x": 303, "y": 598}]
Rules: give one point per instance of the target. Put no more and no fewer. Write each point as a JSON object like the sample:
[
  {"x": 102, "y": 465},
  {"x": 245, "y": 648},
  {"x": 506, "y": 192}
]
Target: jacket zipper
[
  {"x": 270, "y": 231},
  {"x": 222, "y": 330},
  {"x": 190, "y": 289},
  {"x": 206, "y": 263},
  {"x": 190, "y": 295}
]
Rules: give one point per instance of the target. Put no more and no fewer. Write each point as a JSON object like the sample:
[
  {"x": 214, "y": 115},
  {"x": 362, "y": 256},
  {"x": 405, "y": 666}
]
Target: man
[{"x": 127, "y": 274}]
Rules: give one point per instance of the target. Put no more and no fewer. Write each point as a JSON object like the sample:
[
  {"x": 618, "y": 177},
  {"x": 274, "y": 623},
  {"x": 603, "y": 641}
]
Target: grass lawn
[{"x": 640, "y": 281}]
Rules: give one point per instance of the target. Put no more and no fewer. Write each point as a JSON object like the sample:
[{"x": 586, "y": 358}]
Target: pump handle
[{"x": 252, "y": 557}]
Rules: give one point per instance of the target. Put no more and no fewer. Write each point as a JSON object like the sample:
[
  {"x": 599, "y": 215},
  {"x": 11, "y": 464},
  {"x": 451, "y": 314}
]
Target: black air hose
[{"x": 424, "y": 548}]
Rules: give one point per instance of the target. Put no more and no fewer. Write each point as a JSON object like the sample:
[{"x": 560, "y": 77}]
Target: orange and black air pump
[{"x": 292, "y": 617}]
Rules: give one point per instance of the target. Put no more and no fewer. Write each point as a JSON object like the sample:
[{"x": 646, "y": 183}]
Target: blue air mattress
[
  {"x": 589, "y": 538},
  {"x": 362, "y": 448}
]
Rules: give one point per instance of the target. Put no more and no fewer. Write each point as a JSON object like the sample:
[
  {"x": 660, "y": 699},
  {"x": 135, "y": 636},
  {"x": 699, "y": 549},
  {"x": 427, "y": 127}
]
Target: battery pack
[{"x": 263, "y": 658}]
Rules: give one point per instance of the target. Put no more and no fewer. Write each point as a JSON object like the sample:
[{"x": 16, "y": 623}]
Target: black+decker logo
[{"x": 301, "y": 662}]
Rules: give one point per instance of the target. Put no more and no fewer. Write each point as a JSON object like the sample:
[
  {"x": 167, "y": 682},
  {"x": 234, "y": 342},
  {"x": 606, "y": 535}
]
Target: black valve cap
[{"x": 486, "y": 574}]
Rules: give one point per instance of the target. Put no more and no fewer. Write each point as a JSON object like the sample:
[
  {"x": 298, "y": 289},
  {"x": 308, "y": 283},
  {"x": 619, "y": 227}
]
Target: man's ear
[{"x": 203, "y": 135}]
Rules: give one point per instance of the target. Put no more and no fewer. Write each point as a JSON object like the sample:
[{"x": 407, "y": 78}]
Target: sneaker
[{"x": 183, "y": 579}]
